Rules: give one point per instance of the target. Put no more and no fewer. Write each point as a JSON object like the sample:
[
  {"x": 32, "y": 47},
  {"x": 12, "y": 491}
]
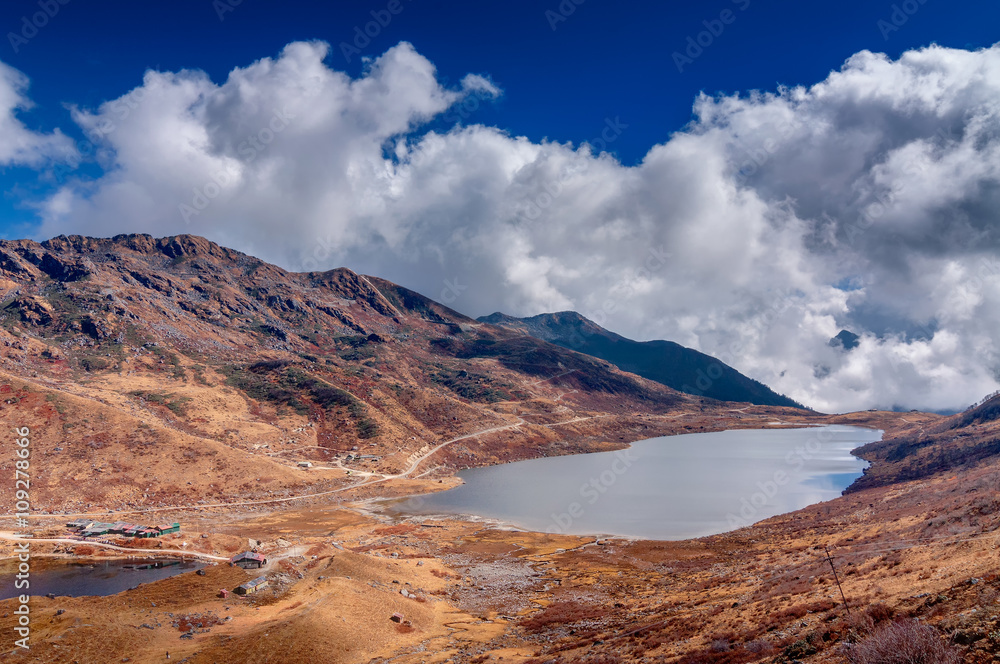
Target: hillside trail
[{"x": 270, "y": 501}]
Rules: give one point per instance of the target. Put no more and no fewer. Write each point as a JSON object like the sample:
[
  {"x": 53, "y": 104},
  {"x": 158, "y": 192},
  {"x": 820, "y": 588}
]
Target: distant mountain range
[{"x": 665, "y": 362}]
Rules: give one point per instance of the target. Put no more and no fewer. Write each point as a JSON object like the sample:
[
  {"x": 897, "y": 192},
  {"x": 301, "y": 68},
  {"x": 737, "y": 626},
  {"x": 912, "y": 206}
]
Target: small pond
[{"x": 104, "y": 577}]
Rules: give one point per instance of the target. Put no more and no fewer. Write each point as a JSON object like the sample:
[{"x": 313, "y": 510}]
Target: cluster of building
[
  {"x": 248, "y": 560},
  {"x": 88, "y": 528}
]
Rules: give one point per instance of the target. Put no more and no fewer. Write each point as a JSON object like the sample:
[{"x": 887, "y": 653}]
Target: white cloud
[
  {"x": 736, "y": 236},
  {"x": 18, "y": 144}
]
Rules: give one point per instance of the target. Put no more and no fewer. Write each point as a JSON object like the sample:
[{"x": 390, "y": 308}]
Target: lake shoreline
[{"x": 816, "y": 484}]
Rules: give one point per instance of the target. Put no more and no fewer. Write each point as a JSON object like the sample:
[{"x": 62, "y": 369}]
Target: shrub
[
  {"x": 93, "y": 363},
  {"x": 801, "y": 648},
  {"x": 367, "y": 428},
  {"x": 879, "y": 612},
  {"x": 760, "y": 647},
  {"x": 561, "y": 613},
  {"x": 268, "y": 365},
  {"x": 903, "y": 642}
]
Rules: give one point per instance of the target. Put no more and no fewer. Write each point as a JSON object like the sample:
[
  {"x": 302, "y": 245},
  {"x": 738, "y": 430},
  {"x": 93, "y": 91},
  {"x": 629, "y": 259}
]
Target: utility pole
[{"x": 829, "y": 559}]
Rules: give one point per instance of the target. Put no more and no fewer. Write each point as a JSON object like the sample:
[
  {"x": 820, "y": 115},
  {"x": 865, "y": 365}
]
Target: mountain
[
  {"x": 846, "y": 340},
  {"x": 959, "y": 442},
  {"x": 162, "y": 380},
  {"x": 666, "y": 362},
  {"x": 154, "y": 367}
]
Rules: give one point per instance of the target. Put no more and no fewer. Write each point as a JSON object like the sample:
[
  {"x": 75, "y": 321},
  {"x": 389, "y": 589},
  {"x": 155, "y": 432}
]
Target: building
[
  {"x": 248, "y": 560},
  {"x": 250, "y": 587},
  {"x": 96, "y": 528},
  {"x": 363, "y": 457}
]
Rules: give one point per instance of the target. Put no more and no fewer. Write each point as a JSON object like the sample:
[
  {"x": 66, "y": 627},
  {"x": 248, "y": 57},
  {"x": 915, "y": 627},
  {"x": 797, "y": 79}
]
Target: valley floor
[{"x": 481, "y": 592}]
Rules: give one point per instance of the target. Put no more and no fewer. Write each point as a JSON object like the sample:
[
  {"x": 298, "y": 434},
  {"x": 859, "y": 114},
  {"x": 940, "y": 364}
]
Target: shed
[
  {"x": 97, "y": 529},
  {"x": 251, "y": 586},
  {"x": 223, "y": 593},
  {"x": 248, "y": 560},
  {"x": 165, "y": 528}
]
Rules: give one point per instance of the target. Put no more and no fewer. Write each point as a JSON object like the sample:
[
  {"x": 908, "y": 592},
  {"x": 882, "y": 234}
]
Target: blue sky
[
  {"x": 564, "y": 68},
  {"x": 556, "y": 155}
]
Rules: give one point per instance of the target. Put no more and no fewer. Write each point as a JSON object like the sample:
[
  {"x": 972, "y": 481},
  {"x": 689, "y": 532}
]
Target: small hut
[{"x": 252, "y": 586}]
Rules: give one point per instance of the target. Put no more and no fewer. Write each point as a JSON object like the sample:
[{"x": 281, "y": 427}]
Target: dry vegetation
[{"x": 179, "y": 376}]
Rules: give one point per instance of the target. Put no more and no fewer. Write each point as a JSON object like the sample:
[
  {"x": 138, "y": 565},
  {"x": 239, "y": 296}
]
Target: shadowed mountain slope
[{"x": 666, "y": 362}]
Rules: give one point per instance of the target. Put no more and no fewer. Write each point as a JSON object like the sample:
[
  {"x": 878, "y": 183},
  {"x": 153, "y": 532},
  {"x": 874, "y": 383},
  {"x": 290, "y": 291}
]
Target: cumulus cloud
[
  {"x": 868, "y": 201},
  {"x": 19, "y": 145}
]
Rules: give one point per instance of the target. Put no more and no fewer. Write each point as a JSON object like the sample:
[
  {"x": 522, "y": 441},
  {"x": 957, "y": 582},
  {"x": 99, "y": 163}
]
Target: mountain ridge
[{"x": 666, "y": 362}]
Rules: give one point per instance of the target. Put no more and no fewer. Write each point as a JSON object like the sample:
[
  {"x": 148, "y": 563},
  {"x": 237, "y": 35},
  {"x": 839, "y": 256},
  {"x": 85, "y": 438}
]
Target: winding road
[{"x": 384, "y": 478}]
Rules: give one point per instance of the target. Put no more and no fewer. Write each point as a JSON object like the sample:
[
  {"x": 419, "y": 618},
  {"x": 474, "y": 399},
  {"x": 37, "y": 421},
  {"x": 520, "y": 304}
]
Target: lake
[
  {"x": 668, "y": 488},
  {"x": 74, "y": 579}
]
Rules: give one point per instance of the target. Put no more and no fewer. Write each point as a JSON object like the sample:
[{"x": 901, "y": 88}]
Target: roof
[
  {"x": 168, "y": 526},
  {"x": 254, "y": 583},
  {"x": 247, "y": 555}
]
